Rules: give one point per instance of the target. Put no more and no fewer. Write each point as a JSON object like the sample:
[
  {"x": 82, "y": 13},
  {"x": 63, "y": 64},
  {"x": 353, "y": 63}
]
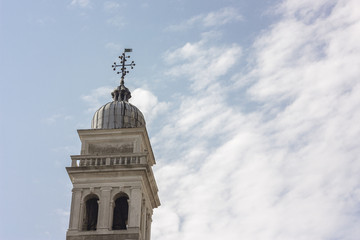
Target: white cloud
[
  {"x": 97, "y": 98},
  {"x": 201, "y": 62},
  {"x": 170, "y": 222},
  {"x": 289, "y": 168},
  {"x": 80, "y": 3},
  {"x": 110, "y": 5},
  {"x": 148, "y": 103},
  {"x": 213, "y": 19},
  {"x": 221, "y": 17},
  {"x": 114, "y": 46},
  {"x": 55, "y": 117},
  {"x": 116, "y": 21},
  {"x": 62, "y": 212}
]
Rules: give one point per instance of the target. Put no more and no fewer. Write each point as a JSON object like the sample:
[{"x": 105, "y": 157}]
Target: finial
[{"x": 122, "y": 93}]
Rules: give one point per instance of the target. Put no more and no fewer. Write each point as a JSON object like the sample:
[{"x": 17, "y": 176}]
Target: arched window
[
  {"x": 121, "y": 210},
  {"x": 91, "y": 213}
]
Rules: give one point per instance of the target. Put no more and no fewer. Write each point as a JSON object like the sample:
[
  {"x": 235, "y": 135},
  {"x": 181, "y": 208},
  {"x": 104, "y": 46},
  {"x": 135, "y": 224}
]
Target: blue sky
[{"x": 252, "y": 108}]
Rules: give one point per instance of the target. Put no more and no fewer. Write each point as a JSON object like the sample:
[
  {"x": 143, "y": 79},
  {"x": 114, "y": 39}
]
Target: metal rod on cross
[{"x": 123, "y": 65}]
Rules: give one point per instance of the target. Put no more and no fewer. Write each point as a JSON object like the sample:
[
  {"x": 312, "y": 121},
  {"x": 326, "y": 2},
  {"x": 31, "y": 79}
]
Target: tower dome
[{"x": 117, "y": 114}]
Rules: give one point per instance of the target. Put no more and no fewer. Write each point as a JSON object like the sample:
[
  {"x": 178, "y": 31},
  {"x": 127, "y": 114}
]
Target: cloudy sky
[{"x": 252, "y": 108}]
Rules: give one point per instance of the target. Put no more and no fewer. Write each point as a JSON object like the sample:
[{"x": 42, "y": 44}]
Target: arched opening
[
  {"x": 91, "y": 213},
  {"x": 121, "y": 211}
]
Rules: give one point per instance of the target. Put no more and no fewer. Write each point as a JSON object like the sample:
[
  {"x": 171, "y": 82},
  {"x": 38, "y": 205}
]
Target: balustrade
[{"x": 90, "y": 160}]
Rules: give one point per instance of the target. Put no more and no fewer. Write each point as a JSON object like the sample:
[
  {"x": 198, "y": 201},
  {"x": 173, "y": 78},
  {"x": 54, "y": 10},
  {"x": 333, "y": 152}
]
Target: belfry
[{"x": 114, "y": 189}]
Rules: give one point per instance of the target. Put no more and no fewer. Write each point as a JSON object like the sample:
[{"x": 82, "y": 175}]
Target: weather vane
[
  {"x": 123, "y": 64},
  {"x": 122, "y": 93}
]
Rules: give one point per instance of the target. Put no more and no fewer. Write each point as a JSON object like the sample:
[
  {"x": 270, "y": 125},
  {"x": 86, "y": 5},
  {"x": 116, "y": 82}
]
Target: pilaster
[
  {"x": 135, "y": 207},
  {"x": 104, "y": 209},
  {"x": 75, "y": 210}
]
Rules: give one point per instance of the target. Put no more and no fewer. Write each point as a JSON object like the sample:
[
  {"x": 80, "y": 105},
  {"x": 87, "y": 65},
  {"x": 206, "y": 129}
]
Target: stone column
[
  {"x": 104, "y": 209},
  {"x": 135, "y": 207},
  {"x": 75, "y": 209}
]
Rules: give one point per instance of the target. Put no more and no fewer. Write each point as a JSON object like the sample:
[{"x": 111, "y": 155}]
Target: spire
[{"x": 122, "y": 93}]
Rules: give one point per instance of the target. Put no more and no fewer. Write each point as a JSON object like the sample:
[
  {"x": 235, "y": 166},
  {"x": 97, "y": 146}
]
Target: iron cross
[{"x": 123, "y": 65}]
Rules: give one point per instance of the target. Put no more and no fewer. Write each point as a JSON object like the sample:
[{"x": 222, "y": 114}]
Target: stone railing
[{"x": 92, "y": 160}]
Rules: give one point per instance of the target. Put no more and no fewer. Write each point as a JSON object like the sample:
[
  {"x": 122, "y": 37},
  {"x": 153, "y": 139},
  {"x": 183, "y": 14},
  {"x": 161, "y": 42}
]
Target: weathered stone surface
[
  {"x": 110, "y": 148},
  {"x": 117, "y": 114},
  {"x": 113, "y": 236}
]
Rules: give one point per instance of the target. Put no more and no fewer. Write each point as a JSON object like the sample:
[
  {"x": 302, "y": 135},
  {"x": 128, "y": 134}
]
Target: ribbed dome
[{"x": 117, "y": 114}]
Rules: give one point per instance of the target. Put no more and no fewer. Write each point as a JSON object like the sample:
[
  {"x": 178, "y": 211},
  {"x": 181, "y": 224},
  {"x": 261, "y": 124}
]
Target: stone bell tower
[{"x": 114, "y": 189}]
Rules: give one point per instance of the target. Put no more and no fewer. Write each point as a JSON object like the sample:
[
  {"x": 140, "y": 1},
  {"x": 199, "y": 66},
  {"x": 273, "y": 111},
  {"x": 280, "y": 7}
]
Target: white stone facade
[{"x": 113, "y": 163}]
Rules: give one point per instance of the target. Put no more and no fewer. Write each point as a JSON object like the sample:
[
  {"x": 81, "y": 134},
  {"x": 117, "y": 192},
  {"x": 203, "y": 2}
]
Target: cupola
[{"x": 119, "y": 113}]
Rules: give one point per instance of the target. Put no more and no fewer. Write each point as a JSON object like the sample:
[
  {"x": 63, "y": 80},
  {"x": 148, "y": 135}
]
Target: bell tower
[{"x": 114, "y": 189}]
